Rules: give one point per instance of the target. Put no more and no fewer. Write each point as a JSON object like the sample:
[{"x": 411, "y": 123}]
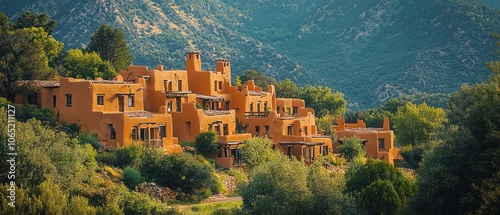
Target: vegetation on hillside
[{"x": 371, "y": 51}]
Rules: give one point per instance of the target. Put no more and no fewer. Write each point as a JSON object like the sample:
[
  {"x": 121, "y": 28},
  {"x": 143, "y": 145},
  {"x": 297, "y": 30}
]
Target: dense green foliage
[
  {"x": 111, "y": 46},
  {"x": 257, "y": 151},
  {"x": 284, "y": 186},
  {"x": 456, "y": 175},
  {"x": 351, "y": 148},
  {"x": 28, "y": 19},
  {"x": 132, "y": 177},
  {"x": 259, "y": 77},
  {"x": 87, "y": 65},
  {"x": 207, "y": 143},
  {"x": 366, "y": 180}
]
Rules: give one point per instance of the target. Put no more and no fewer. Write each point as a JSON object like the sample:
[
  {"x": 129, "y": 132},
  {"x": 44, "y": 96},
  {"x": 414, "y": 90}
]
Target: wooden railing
[{"x": 256, "y": 114}]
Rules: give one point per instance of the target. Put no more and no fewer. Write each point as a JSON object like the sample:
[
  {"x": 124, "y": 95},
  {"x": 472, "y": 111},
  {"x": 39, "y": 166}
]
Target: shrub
[
  {"x": 45, "y": 115},
  {"x": 108, "y": 158},
  {"x": 129, "y": 156},
  {"x": 207, "y": 143},
  {"x": 351, "y": 148},
  {"x": 88, "y": 138},
  {"x": 132, "y": 177}
]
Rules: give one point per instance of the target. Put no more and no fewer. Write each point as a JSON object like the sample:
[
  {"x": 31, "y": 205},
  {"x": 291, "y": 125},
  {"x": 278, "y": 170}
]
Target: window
[
  {"x": 381, "y": 143},
  {"x": 305, "y": 131},
  {"x": 215, "y": 85},
  {"x": 54, "y": 101},
  {"x": 265, "y": 106},
  {"x": 266, "y": 128},
  {"x": 134, "y": 132},
  {"x": 100, "y": 99},
  {"x": 178, "y": 104},
  {"x": 131, "y": 101},
  {"x": 287, "y": 112},
  {"x": 289, "y": 130},
  {"x": 220, "y": 85},
  {"x": 163, "y": 131},
  {"x": 112, "y": 132},
  {"x": 251, "y": 106},
  {"x": 225, "y": 129},
  {"x": 179, "y": 85},
  {"x": 217, "y": 129},
  {"x": 227, "y": 105},
  {"x": 323, "y": 150},
  {"x": 295, "y": 111},
  {"x": 257, "y": 130},
  {"x": 188, "y": 128},
  {"x": 169, "y": 106},
  {"x": 210, "y": 127},
  {"x": 69, "y": 100},
  {"x": 258, "y": 107},
  {"x": 165, "y": 85}
]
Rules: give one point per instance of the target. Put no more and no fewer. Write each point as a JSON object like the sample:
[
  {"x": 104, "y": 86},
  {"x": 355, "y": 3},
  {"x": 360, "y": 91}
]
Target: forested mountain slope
[{"x": 369, "y": 50}]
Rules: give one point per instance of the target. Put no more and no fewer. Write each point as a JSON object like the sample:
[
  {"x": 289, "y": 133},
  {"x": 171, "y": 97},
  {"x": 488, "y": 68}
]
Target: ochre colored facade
[
  {"x": 159, "y": 108},
  {"x": 378, "y": 142}
]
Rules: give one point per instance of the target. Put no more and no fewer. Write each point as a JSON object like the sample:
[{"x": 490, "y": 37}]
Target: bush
[
  {"x": 351, "y": 148},
  {"x": 45, "y": 115},
  {"x": 129, "y": 156},
  {"x": 132, "y": 177},
  {"x": 207, "y": 143},
  {"x": 88, "y": 138},
  {"x": 108, "y": 158}
]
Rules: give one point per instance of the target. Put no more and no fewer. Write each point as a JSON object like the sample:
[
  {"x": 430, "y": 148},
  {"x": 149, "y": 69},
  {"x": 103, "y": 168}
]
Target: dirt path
[{"x": 212, "y": 199}]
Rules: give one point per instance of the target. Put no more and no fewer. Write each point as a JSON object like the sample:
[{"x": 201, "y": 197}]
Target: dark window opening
[
  {"x": 225, "y": 129},
  {"x": 257, "y": 130},
  {"x": 227, "y": 105},
  {"x": 169, "y": 106},
  {"x": 179, "y": 85},
  {"x": 295, "y": 111},
  {"x": 381, "y": 143},
  {"x": 178, "y": 104},
  {"x": 163, "y": 131},
  {"x": 112, "y": 132},
  {"x": 130, "y": 101},
  {"x": 289, "y": 130},
  {"x": 100, "y": 99},
  {"x": 54, "y": 101},
  {"x": 69, "y": 100},
  {"x": 220, "y": 85},
  {"x": 266, "y": 128},
  {"x": 217, "y": 129},
  {"x": 134, "y": 132}
]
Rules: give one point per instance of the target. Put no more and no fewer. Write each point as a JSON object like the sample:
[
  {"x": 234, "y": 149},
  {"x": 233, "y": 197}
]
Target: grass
[{"x": 211, "y": 208}]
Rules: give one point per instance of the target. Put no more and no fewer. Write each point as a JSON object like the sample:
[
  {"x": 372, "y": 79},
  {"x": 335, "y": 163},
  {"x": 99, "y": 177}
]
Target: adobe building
[
  {"x": 378, "y": 142},
  {"x": 114, "y": 110},
  {"x": 159, "y": 108}
]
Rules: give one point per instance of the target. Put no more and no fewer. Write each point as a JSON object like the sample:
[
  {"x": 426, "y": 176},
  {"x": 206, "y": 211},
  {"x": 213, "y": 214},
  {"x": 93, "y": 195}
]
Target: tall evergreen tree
[
  {"x": 110, "y": 44},
  {"x": 28, "y": 19}
]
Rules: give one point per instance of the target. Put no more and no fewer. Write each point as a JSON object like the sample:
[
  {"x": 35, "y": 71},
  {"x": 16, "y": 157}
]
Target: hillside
[{"x": 371, "y": 51}]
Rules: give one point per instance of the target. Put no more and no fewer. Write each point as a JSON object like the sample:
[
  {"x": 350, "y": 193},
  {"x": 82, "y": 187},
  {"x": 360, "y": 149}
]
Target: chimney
[
  {"x": 193, "y": 61},
  {"x": 159, "y": 67}
]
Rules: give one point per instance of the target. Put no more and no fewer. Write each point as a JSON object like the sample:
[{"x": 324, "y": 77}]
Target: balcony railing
[
  {"x": 256, "y": 114},
  {"x": 153, "y": 143}
]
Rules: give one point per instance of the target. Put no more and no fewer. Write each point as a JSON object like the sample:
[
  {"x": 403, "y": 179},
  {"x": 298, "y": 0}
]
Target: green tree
[
  {"x": 323, "y": 100},
  {"x": 207, "y": 143},
  {"x": 386, "y": 199},
  {"x": 20, "y": 59},
  {"x": 259, "y": 78},
  {"x": 416, "y": 124},
  {"x": 29, "y": 19},
  {"x": 351, "y": 148},
  {"x": 111, "y": 46},
  {"x": 360, "y": 177},
  {"x": 454, "y": 175},
  {"x": 328, "y": 195},
  {"x": 51, "y": 46},
  {"x": 277, "y": 187},
  {"x": 393, "y": 105},
  {"x": 257, "y": 151},
  {"x": 237, "y": 81},
  {"x": 286, "y": 89},
  {"x": 87, "y": 65}
]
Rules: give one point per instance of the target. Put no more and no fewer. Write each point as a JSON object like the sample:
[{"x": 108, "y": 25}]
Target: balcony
[
  {"x": 176, "y": 94},
  {"x": 256, "y": 114}
]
